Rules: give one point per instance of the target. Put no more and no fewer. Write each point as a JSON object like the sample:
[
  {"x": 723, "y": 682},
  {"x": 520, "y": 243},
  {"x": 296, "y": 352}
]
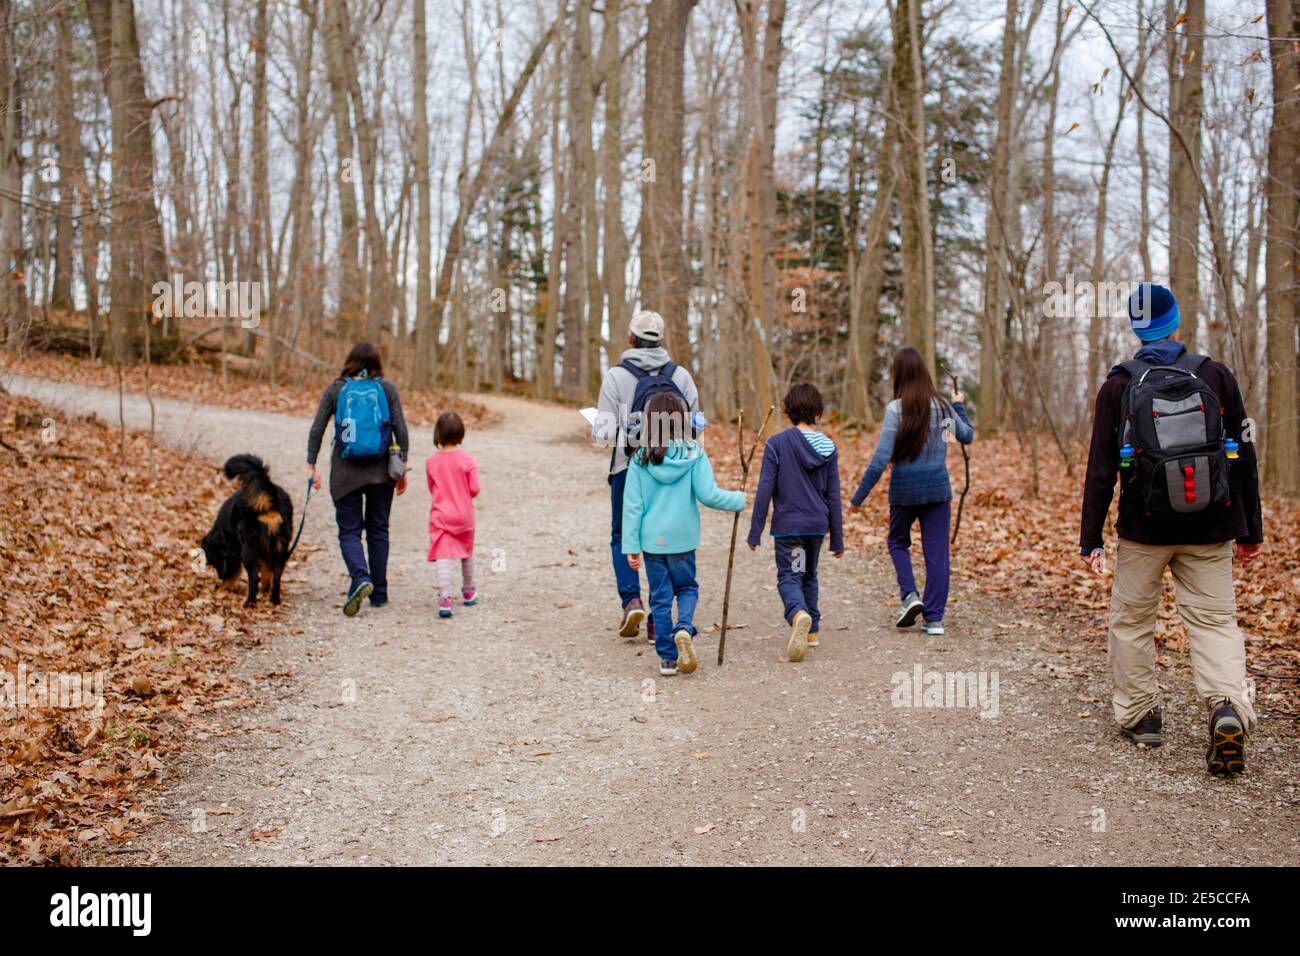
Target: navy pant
[
  {"x": 366, "y": 509},
  {"x": 796, "y": 574},
  {"x": 934, "y": 545},
  {"x": 629, "y": 582},
  {"x": 671, "y": 576}
]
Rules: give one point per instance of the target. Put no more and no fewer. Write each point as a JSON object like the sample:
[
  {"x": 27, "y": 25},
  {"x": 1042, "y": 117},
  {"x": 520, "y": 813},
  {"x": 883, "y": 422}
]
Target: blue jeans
[
  {"x": 796, "y": 574},
  {"x": 934, "y": 544},
  {"x": 629, "y": 582},
  {"x": 671, "y": 576},
  {"x": 366, "y": 509}
]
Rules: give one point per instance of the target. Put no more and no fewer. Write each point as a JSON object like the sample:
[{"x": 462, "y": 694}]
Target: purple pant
[{"x": 934, "y": 544}]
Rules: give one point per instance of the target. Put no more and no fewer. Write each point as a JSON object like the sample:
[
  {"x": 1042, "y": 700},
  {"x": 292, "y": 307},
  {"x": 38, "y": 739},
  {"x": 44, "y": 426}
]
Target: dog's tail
[
  {"x": 254, "y": 478},
  {"x": 244, "y": 467}
]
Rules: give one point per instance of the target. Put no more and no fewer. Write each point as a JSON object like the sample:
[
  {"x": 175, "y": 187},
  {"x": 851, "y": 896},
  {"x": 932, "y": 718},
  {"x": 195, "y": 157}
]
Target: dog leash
[{"x": 301, "y": 523}]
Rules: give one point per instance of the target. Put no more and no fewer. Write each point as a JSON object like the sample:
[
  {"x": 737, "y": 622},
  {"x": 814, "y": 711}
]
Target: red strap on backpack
[{"x": 1189, "y": 483}]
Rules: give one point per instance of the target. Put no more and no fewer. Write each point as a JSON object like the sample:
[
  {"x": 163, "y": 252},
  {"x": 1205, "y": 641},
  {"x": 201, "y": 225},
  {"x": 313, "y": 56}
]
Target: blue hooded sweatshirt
[
  {"x": 661, "y": 512},
  {"x": 802, "y": 481}
]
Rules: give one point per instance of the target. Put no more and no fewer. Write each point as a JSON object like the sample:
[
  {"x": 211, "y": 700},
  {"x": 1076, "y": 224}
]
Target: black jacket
[{"x": 1240, "y": 521}]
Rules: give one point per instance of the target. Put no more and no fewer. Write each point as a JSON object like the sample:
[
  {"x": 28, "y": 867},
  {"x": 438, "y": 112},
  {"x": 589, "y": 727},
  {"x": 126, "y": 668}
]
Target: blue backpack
[
  {"x": 648, "y": 384},
  {"x": 361, "y": 419}
]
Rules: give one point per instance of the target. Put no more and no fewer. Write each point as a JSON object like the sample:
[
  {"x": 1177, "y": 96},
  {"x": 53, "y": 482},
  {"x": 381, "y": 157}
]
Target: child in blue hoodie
[
  {"x": 801, "y": 479},
  {"x": 668, "y": 477}
]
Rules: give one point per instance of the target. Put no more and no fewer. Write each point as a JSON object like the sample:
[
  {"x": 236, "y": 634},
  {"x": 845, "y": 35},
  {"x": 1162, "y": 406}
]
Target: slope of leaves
[
  {"x": 102, "y": 576},
  {"x": 1025, "y": 549},
  {"x": 199, "y": 383}
]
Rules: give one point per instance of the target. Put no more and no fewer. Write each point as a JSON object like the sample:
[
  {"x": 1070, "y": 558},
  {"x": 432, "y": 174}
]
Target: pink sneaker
[
  {"x": 469, "y": 598},
  {"x": 444, "y": 607}
]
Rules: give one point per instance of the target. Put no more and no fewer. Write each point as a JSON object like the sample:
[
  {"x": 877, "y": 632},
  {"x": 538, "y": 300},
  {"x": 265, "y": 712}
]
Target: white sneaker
[{"x": 934, "y": 627}]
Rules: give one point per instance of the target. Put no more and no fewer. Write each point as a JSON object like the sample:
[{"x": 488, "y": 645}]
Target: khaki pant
[{"x": 1208, "y": 605}]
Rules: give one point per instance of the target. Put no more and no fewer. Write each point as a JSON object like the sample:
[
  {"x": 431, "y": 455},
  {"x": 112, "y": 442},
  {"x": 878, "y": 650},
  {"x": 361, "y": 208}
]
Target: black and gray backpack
[{"x": 1173, "y": 422}]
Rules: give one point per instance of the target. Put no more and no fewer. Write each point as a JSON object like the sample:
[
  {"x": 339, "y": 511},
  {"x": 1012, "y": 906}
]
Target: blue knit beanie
[{"x": 1153, "y": 312}]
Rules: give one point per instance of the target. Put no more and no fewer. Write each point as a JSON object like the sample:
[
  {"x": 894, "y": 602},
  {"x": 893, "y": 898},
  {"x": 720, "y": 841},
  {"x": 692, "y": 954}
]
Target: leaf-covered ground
[{"x": 102, "y": 577}]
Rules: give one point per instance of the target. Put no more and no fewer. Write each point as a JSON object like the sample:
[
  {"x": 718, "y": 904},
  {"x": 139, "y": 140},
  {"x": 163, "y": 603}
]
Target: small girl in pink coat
[{"x": 453, "y": 484}]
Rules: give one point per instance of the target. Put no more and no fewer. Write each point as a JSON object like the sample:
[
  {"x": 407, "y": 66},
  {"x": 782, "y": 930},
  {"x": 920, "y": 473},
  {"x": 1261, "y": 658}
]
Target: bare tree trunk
[
  {"x": 1281, "y": 433},
  {"x": 69, "y": 134},
  {"x": 425, "y": 345},
  {"x": 260, "y": 227},
  {"x": 914, "y": 190},
  {"x": 867, "y": 275},
  {"x": 1096, "y": 354},
  {"x": 665, "y": 278},
  {"x": 580, "y": 123},
  {"x": 135, "y": 231},
  {"x": 611, "y": 158},
  {"x": 13, "y": 289},
  {"x": 549, "y": 328},
  {"x": 996, "y": 233},
  {"x": 1144, "y": 161},
  {"x": 351, "y": 284},
  {"x": 1185, "y": 109}
]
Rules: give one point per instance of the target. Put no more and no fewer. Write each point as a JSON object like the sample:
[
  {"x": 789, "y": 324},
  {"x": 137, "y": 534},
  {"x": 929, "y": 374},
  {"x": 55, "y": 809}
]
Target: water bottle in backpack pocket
[
  {"x": 1173, "y": 429},
  {"x": 361, "y": 419}
]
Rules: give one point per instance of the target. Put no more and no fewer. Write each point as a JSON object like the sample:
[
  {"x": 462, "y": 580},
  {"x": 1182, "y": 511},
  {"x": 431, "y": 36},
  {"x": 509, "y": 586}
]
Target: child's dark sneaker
[
  {"x": 686, "y": 660},
  {"x": 1227, "y": 753},
  {"x": 633, "y": 615},
  {"x": 444, "y": 607},
  {"x": 469, "y": 598},
  {"x": 910, "y": 610},
  {"x": 814, "y": 639},
  {"x": 934, "y": 628},
  {"x": 799, "y": 628},
  {"x": 1149, "y": 731},
  {"x": 356, "y": 596},
  {"x": 667, "y": 668}
]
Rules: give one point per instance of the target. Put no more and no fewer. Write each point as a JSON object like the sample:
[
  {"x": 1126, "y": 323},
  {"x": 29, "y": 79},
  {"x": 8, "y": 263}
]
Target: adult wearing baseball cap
[
  {"x": 644, "y": 356},
  {"x": 1171, "y": 425}
]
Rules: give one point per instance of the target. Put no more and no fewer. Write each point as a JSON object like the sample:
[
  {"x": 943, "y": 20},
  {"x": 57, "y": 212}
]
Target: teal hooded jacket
[{"x": 660, "y": 502}]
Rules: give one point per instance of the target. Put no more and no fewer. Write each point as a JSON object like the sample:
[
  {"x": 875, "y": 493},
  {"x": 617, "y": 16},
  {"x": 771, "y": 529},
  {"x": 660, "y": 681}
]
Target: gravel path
[{"x": 524, "y": 731}]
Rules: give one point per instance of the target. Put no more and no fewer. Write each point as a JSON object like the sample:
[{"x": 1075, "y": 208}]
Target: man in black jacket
[{"x": 1197, "y": 548}]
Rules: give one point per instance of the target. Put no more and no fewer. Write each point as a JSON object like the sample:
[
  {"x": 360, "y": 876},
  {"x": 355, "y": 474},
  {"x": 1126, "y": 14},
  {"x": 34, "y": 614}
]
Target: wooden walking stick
[
  {"x": 735, "y": 519},
  {"x": 965, "y": 454}
]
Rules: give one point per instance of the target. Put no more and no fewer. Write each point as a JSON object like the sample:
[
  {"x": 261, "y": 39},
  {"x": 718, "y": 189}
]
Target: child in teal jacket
[{"x": 668, "y": 478}]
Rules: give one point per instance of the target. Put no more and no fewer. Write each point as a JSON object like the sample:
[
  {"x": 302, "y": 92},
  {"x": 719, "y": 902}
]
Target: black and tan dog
[{"x": 252, "y": 530}]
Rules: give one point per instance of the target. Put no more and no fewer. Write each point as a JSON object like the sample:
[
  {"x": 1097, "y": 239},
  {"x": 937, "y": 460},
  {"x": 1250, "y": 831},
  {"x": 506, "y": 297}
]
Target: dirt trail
[{"x": 524, "y": 731}]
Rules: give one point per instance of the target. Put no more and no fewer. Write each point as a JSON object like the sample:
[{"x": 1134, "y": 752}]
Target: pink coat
[{"x": 453, "y": 484}]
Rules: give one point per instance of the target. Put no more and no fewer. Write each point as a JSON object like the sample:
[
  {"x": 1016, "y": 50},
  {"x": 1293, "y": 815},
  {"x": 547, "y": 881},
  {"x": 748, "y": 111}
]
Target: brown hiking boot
[
  {"x": 1227, "y": 753},
  {"x": 1149, "y": 731}
]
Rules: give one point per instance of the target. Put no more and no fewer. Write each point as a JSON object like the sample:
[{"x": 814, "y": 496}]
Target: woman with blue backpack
[{"x": 367, "y": 465}]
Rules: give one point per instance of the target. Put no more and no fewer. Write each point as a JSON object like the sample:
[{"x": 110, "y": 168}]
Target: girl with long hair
[
  {"x": 668, "y": 478},
  {"x": 913, "y": 443}
]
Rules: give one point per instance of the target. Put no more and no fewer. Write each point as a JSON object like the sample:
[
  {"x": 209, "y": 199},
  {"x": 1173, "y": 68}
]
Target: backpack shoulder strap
[
  {"x": 667, "y": 370},
  {"x": 1135, "y": 368},
  {"x": 637, "y": 371},
  {"x": 1191, "y": 361}
]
